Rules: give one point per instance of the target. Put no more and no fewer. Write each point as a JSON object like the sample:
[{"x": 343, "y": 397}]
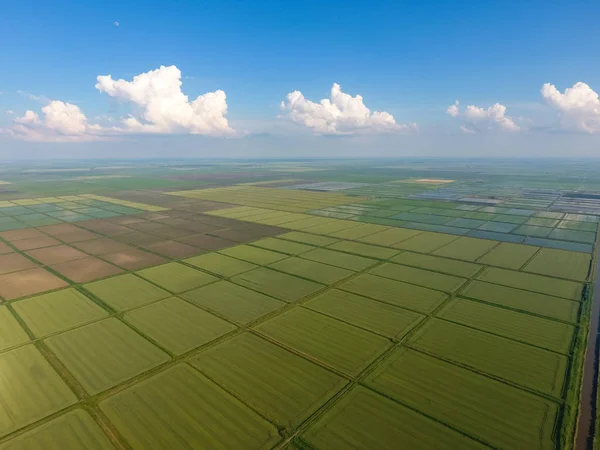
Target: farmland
[{"x": 307, "y": 305}]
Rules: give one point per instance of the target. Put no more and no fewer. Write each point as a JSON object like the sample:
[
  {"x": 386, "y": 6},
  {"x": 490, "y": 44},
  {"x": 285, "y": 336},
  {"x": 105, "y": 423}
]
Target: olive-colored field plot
[{"x": 318, "y": 306}]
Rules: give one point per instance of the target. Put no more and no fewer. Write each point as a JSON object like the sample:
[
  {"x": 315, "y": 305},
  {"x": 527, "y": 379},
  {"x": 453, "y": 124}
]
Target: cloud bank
[
  {"x": 164, "y": 108},
  {"x": 159, "y": 107},
  {"x": 339, "y": 114},
  {"x": 578, "y": 107},
  {"x": 60, "y": 122},
  {"x": 477, "y": 118}
]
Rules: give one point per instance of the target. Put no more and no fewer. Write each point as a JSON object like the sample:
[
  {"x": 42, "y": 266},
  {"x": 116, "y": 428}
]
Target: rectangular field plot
[
  {"x": 486, "y": 409},
  {"x": 578, "y": 226},
  {"x": 285, "y": 386},
  {"x": 498, "y": 227},
  {"x": 104, "y": 354},
  {"x": 306, "y": 238},
  {"x": 561, "y": 263},
  {"x": 32, "y": 389},
  {"x": 370, "y": 251},
  {"x": 176, "y": 277},
  {"x": 276, "y": 284},
  {"x": 518, "y": 363},
  {"x": 358, "y": 232},
  {"x": 544, "y": 285},
  {"x": 180, "y": 408},
  {"x": 572, "y": 235},
  {"x": 75, "y": 429},
  {"x": 394, "y": 292},
  {"x": 425, "y": 242},
  {"x": 437, "y": 264},
  {"x": 11, "y": 332},
  {"x": 253, "y": 255},
  {"x": 390, "y": 236},
  {"x": 371, "y": 421},
  {"x": 58, "y": 311},
  {"x": 126, "y": 291},
  {"x": 177, "y": 325},
  {"x": 426, "y": 278},
  {"x": 315, "y": 271},
  {"x": 468, "y": 249},
  {"x": 510, "y": 256},
  {"x": 527, "y": 328},
  {"x": 233, "y": 302},
  {"x": 216, "y": 263},
  {"x": 526, "y": 301},
  {"x": 343, "y": 260},
  {"x": 283, "y": 246},
  {"x": 337, "y": 344},
  {"x": 362, "y": 312}
]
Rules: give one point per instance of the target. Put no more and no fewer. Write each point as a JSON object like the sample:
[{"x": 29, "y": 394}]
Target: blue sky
[{"x": 410, "y": 59}]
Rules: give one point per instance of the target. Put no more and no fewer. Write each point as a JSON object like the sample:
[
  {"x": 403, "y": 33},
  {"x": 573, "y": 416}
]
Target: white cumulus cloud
[
  {"x": 116, "y": 24},
  {"x": 492, "y": 117},
  {"x": 160, "y": 107},
  {"x": 339, "y": 114},
  {"x": 453, "y": 110},
  {"x": 578, "y": 106},
  {"x": 59, "y": 122},
  {"x": 164, "y": 108}
]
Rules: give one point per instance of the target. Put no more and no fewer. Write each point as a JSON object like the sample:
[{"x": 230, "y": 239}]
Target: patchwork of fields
[{"x": 256, "y": 316}]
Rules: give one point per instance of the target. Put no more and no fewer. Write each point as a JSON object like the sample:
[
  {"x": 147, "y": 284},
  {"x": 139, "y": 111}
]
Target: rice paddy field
[{"x": 297, "y": 305}]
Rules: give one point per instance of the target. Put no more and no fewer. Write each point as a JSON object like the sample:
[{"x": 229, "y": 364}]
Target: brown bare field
[
  {"x": 169, "y": 232},
  {"x": 36, "y": 242},
  {"x": 56, "y": 255},
  {"x": 199, "y": 227},
  {"x": 61, "y": 228},
  {"x": 206, "y": 242},
  {"x": 261, "y": 230},
  {"x": 101, "y": 246},
  {"x": 86, "y": 269},
  {"x": 5, "y": 249},
  {"x": 28, "y": 282},
  {"x": 78, "y": 236},
  {"x": 104, "y": 227},
  {"x": 17, "y": 235},
  {"x": 125, "y": 220},
  {"x": 138, "y": 238},
  {"x": 14, "y": 262},
  {"x": 241, "y": 236},
  {"x": 146, "y": 225},
  {"x": 152, "y": 216},
  {"x": 134, "y": 259},
  {"x": 174, "y": 249}
]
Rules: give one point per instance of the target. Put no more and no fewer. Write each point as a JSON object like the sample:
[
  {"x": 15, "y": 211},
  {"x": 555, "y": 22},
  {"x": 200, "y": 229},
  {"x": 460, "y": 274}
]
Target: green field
[
  {"x": 104, "y": 354},
  {"x": 532, "y": 302},
  {"x": 276, "y": 284},
  {"x": 233, "y": 302},
  {"x": 339, "y": 345},
  {"x": 30, "y": 395},
  {"x": 478, "y": 406},
  {"x": 426, "y": 278},
  {"x": 286, "y": 387},
  {"x": 177, "y": 326},
  {"x": 499, "y": 357},
  {"x": 176, "y": 277},
  {"x": 126, "y": 291},
  {"x": 180, "y": 405},
  {"x": 437, "y": 264},
  {"x": 548, "y": 334},
  {"x": 394, "y": 292},
  {"x": 365, "y": 313},
  {"x": 297, "y": 305},
  {"x": 56, "y": 312}
]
